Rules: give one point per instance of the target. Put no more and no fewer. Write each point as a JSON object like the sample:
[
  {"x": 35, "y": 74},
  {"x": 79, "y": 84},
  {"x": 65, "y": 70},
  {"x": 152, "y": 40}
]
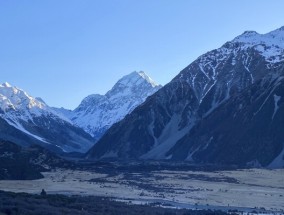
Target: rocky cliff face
[{"x": 247, "y": 129}]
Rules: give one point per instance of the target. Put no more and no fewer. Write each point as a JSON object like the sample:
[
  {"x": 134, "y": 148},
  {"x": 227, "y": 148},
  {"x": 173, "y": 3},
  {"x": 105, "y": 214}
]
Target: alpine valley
[
  {"x": 226, "y": 108},
  {"x": 211, "y": 141}
]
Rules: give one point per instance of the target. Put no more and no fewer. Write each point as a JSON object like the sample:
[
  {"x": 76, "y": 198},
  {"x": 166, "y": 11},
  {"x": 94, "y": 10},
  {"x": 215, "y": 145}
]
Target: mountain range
[
  {"x": 225, "y": 107},
  {"x": 97, "y": 113},
  {"x": 26, "y": 120}
]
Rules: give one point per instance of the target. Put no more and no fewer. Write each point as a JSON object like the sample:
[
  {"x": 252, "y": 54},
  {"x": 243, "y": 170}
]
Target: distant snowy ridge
[
  {"x": 15, "y": 102},
  {"x": 36, "y": 119},
  {"x": 97, "y": 113}
]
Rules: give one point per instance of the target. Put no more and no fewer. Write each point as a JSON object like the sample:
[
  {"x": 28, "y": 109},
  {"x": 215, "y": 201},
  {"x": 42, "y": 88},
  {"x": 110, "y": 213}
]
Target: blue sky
[{"x": 64, "y": 50}]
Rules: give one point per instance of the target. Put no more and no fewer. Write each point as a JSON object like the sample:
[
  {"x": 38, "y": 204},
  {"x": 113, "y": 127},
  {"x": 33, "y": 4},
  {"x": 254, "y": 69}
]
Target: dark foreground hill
[
  {"x": 26, "y": 163},
  {"x": 26, "y": 204}
]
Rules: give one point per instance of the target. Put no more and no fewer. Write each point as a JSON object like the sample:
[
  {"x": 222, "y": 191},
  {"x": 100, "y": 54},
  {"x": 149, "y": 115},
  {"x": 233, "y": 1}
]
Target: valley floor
[{"x": 245, "y": 189}]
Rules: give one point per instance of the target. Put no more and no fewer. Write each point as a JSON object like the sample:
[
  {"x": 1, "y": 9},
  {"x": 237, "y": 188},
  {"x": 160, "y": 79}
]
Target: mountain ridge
[
  {"x": 208, "y": 82},
  {"x": 38, "y": 123}
]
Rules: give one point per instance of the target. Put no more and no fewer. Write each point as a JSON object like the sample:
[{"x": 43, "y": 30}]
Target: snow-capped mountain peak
[
  {"x": 131, "y": 83},
  {"x": 97, "y": 113},
  {"x": 274, "y": 38},
  {"x": 270, "y": 45},
  {"x": 248, "y": 50},
  {"x": 17, "y": 99},
  {"x": 35, "y": 120},
  {"x": 249, "y": 34},
  {"x": 15, "y": 102},
  {"x": 136, "y": 78},
  {"x": 147, "y": 78}
]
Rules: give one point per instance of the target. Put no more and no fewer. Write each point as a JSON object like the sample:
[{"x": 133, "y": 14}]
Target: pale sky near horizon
[{"x": 64, "y": 50}]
